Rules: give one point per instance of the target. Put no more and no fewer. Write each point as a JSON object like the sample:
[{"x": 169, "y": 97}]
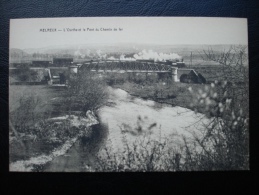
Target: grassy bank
[{"x": 175, "y": 94}]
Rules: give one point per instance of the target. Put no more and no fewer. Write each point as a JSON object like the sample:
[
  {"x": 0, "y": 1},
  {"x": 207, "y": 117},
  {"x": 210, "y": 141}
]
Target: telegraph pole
[{"x": 191, "y": 59}]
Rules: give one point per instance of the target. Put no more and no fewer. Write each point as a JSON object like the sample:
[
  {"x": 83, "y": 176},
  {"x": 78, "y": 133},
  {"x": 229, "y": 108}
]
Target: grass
[
  {"x": 44, "y": 92},
  {"x": 175, "y": 94},
  {"x": 211, "y": 73}
]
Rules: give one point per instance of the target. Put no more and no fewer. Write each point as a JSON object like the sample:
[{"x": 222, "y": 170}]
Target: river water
[
  {"x": 157, "y": 120},
  {"x": 138, "y": 118}
]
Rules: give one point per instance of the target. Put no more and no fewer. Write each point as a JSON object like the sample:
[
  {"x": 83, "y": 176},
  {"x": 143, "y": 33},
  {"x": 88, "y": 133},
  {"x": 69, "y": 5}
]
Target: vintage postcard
[{"x": 128, "y": 94}]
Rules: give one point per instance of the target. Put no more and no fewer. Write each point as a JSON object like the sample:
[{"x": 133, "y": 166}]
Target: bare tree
[
  {"x": 225, "y": 144},
  {"x": 87, "y": 90}
]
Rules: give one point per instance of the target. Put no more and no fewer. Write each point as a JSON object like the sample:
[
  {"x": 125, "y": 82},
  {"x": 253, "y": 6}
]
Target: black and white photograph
[{"x": 128, "y": 94}]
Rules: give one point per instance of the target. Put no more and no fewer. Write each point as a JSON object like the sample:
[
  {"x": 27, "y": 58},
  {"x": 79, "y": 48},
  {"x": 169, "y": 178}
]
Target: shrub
[
  {"x": 226, "y": 138},
  {"x": 87, "y": 90},
  {"x": 24, "y": 73},
  {"x": 28, "y": 113},
  {"x": 225, "y": 144},
  {"x": 143, "y": 155}
]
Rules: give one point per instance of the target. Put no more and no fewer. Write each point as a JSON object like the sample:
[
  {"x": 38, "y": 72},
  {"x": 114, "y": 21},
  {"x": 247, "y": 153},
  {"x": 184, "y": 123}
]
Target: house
[{"x": 189, "y": 76}]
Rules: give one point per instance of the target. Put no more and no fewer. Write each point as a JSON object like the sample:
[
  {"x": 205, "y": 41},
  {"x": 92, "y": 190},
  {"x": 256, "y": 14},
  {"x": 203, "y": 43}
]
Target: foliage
[
  {"x": 137, "y": 78},
  {"x": 115, "y": 78},
  {"x": 57, "y": 131},
  {"x": 26, "y": 115},
  {"x": 87, "y": 90},
  {"x": 144, "y": 154},
  {"x": 24, "y": 73},
  {"x": 234, "y": 63},
  {"x": 226, "y": 136},
  {"x": 30, "y": 120}
]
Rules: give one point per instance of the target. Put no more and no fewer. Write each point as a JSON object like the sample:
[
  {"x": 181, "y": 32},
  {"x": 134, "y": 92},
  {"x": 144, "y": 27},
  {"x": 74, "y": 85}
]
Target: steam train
[
  {"x": 64, "y": 62},
  {"x": 174, "y": 63}
]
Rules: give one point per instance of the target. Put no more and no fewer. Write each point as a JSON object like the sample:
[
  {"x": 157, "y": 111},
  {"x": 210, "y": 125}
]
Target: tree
[
  {"x": 27, "y": 114},
  {"x": 225, "y": 144},
  {"x": 87, "y": 90}
]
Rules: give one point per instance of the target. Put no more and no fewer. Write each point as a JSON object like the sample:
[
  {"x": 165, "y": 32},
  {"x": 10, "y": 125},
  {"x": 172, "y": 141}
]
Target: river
[
  {"x": 157, "y": 120},
  {"x": 129, "y": 113}
]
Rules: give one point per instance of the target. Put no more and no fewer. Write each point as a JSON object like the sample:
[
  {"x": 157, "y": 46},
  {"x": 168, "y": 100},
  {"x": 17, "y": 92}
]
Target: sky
[{"x": 28, "y": 33}]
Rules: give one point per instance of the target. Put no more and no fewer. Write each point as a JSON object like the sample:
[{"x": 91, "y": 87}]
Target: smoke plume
[
  {"x": 122, "y": 57},
  {"x": 151, "y": 55}
]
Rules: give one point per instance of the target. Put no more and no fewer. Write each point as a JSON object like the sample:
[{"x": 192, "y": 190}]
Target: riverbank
[
  {"x": 37, "y": 156},
  {"x": 82, "y": 153},
  {"x": 175, "y": 94}
]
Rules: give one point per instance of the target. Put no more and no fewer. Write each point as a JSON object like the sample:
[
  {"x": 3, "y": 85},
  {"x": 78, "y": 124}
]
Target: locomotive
[{"x": 173, "y": 63}]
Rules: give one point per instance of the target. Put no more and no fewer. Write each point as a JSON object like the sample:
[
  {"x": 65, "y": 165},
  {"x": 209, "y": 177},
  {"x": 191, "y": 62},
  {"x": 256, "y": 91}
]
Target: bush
[
  {"x": 87, "y": 90},
  {"x": 225, "y": 144},
  {"x": 226, "y": 139},
  {"x": 143, "y": 155},
  {"x": 25, "y": 74},
  {"x": 27, "y": 114},
  {"x": 137, "y": 78}
]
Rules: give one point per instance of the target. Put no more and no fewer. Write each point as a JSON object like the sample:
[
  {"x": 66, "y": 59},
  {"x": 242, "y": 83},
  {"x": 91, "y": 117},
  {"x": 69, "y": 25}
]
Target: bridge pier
[
  {"x": 73, "y": 69},
  {"x": 174, "y": 74}
]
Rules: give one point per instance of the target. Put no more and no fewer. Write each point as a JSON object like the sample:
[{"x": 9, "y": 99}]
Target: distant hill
[
  {"x": 122, "y": 47},
  {"x": 94, "y": 51},
  {"x": 18, "y": 52}
]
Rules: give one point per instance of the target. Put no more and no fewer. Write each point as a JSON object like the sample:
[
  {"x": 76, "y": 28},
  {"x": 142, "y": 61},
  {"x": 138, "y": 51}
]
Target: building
[
  {"x": 61, "y": 62},
  {"x": 41, "y": 63},
  {"x": 189, "y": 76}
]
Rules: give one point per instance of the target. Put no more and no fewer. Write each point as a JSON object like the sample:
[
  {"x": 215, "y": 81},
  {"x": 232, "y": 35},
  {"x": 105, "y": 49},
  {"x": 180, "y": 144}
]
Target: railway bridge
[
  {"x": 128, "y": 67},
  {"x": 163, "y": 70},
  {"x": 181, "y": 74}
]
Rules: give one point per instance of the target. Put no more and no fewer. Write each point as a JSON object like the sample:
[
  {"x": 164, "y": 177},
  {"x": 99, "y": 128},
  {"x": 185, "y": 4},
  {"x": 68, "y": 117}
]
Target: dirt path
[
  {"x": 69, "y": 162},
  {"x": 72, "y": 161},
  {"x": 80, "y": 154}
]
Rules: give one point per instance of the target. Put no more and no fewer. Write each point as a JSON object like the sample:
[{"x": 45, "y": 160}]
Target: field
[{"x": 44, "y": 92}]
